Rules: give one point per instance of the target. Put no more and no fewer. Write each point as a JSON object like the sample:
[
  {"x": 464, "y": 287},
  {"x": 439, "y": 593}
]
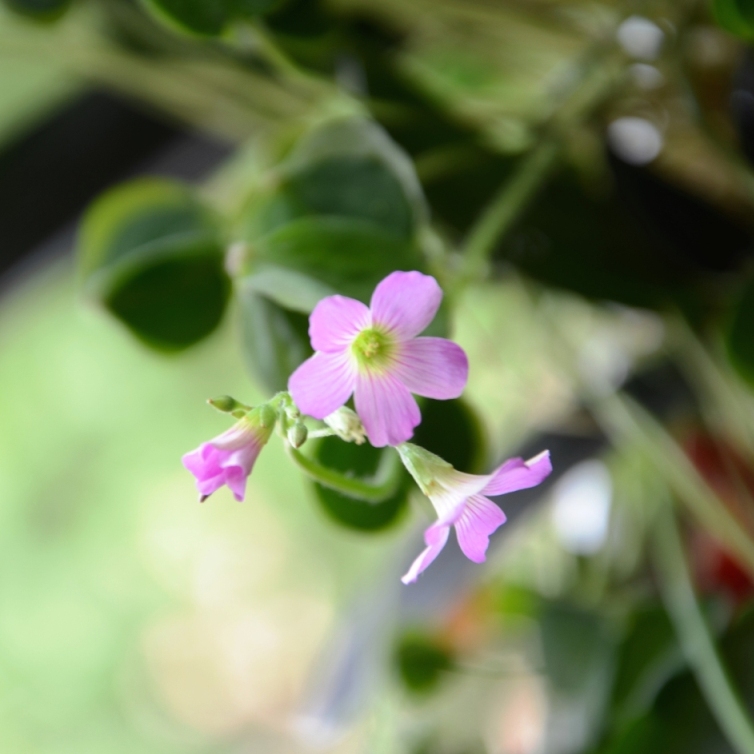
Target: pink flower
[
  {"x": 373, "y": 352},
  {"x": 460, "y": 501},
  {"x": 229, "y": 457}
]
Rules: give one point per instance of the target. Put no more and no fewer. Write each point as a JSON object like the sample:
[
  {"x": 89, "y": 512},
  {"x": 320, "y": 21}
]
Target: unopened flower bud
[
  {"x": 346, "y": 425},
  {"x": 297, "y": 434},
  {"x": 267, "y": 415},
  {"x": 229, "y": 405}
]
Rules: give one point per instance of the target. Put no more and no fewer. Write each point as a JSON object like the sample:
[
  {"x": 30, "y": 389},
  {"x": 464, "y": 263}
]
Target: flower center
[{"x": 372, "y": 347}]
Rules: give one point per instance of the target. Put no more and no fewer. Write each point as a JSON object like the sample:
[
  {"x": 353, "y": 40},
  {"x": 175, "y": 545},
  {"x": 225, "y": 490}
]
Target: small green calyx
[{"x": 372, "y": 347}]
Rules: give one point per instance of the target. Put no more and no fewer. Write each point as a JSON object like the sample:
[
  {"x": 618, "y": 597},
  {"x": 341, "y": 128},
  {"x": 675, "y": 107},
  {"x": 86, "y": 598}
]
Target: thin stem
[
  {"x": 384, "y": 485},
  {"x": 696, "y": 641},
  {"x": 507, "y": 205},
  {"x": 624, "y": 419},
  {"x": 604, "y": 72}
]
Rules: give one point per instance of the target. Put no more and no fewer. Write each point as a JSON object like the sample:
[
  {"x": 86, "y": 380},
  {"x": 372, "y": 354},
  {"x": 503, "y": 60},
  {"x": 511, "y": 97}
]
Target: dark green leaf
[
  {"x": 275, "y": 340},
  {"x": 350, "y": 167},
  {"x": 578, "y": 651},
  {"x": 152, "y": 254},
  {"x": 362, "y": 187},
  {"x": 174, "y": 300},
  {"x": 647, "y": 658},
  {"x": 421, "y": 662},
  {"x": 361, "y": 461},
  {"x": 451, "y": 430},
  {"x": 40, "y": 10},
  {"x": 680, "y": 721},
  {"x": 347, "y": 255},
  {"x": 739, "y": 335},
  {"x": 735, "y": 16}
]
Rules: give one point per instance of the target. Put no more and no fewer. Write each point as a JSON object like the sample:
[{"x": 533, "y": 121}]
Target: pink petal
[
  {"x": 406, "y": 302},
  {"x": 479, "y": 519},
  {"x": 433, "y": 367},
  {"x": 435, "y": 538},
  {"x": 517, "y": 474},
  {"x": 323, "y": 383},
  {"x": 235, "y": 478},
  {"x": 386, "y": 408},
  {"x": 336, "y": 321}
]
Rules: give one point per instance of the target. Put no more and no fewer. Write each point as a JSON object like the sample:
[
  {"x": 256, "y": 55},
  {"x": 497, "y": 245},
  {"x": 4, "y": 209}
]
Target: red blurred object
[{"x": 732, "y": 478}]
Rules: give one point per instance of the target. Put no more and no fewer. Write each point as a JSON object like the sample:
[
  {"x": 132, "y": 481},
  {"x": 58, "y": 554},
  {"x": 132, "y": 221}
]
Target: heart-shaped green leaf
[
  {"x": 361, "y": 461},
  {"x": 152, "y": 254}
]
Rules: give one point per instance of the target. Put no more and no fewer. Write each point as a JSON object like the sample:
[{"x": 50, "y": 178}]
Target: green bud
[
  {"x": 229, "y": 405},
  {"x": 346, "y": 425},
  {"x": 267, "y": 415},
  {"x": 297, "y": 434}
]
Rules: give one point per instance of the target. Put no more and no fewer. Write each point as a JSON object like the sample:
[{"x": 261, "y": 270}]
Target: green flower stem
[
  {"x": 623, "y": 419},
  {"x": 507, "y": 205},
  {"x": 696, "y": 642},
  {"x": 384, "y": 485},
  {"x": 604, "y": 71}
]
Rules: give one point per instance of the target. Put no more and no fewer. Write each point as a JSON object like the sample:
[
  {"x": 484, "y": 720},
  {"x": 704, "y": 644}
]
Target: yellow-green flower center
[{"x": 372, "y": 348}]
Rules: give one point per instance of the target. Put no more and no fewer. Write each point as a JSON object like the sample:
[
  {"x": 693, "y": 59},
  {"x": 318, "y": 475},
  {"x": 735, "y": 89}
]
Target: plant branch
[
  {"x": 382, "y": 487},
  {"x": 693, "y": 632},
  {"x": 624, "y": 419}
]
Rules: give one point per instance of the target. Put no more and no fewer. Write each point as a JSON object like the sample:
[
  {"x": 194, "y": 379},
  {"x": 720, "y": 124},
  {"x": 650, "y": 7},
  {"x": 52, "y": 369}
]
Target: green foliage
[
  {"x": 735, "y": 16},
  {"x": 451, "y": 430},
  {"x": 648, "y": 656},
  {"x": 679, "y": 721},
  {"x": 40, "y": 10},
  {"x": 348, "y": 256},
  {"x": 360, "y": 461},
  {"x": 275, "y": 340},
  {"x": 342, "y": 213},
  {"x": 421, "y": 662},
  {"x": 739, "y": 334},
  {"x": 208, "y": 18},
  {"x": 152, "y": 255}
]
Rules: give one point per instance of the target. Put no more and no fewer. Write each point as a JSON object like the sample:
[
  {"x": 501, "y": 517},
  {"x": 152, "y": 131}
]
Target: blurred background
[{"x": 180, "y": 182}]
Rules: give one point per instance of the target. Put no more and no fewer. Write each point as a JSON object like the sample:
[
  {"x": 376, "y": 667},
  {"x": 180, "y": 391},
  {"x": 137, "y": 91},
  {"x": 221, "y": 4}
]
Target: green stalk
[
  {"x": 624, "y": 419},
  {"x": 605, "y": 70},
  {"x": 506, "y": 206},
  {"x": 384, "y": 485},
  {"x": 693, "y": 632}
]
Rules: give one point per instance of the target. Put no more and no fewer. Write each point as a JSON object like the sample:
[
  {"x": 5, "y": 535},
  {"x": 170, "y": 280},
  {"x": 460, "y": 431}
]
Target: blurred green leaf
[
  {"x": 359, "y": 186},
  {"x": 579, "y": 655},
  {"x": 152, "y": 254},
  {"x": 680, "y": 721},
  {"x": 275, "y": 340},
  {"x": 739, "y": 335},
  {"x": 421, "y": 662},
  {"x": 350, "y": 167},
  {"x": 207, "y": 18},
  {"x": 361, "y": 461},
  {"x": 648, "y": 656},
  {"x": 735, "y": 16},
  {"x": 451, "y": 430},
  {"x": 347, "y": 255},
  {"x": 39, "y": 10}
]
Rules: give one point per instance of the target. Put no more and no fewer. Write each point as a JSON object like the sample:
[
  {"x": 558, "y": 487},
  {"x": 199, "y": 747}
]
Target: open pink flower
[
  {"x": 373, "y": 352},
  {"x": 460, "y": 500},
  {"x": 229, "y": 457}
]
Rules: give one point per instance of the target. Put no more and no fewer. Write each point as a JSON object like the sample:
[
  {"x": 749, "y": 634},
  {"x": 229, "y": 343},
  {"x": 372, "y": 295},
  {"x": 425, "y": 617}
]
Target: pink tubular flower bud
[{"x": 229, "y": 458}]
